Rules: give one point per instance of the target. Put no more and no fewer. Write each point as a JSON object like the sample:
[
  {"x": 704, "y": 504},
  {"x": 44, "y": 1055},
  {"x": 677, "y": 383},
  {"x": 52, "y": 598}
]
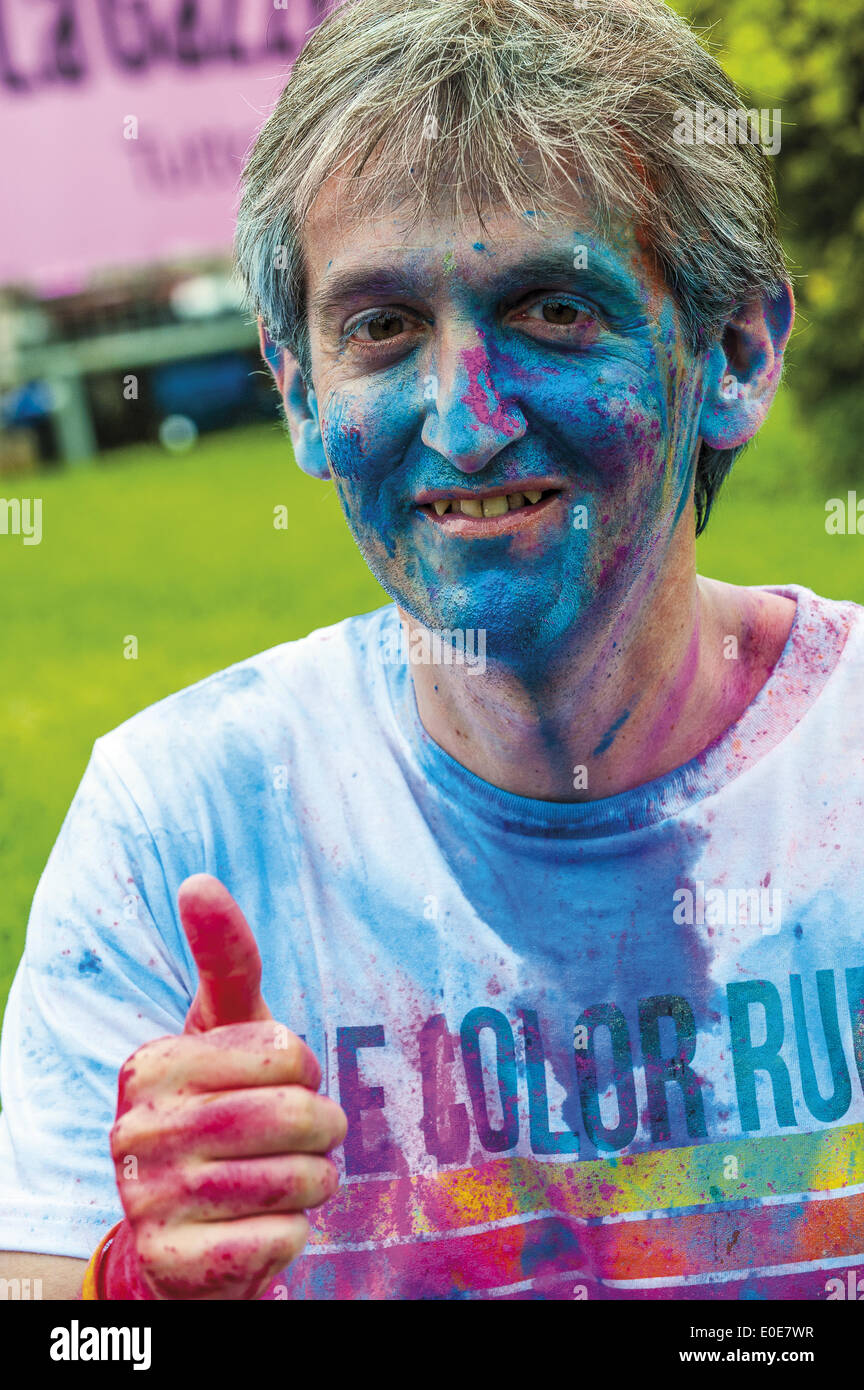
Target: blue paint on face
[{"x": 476, "y": 388}]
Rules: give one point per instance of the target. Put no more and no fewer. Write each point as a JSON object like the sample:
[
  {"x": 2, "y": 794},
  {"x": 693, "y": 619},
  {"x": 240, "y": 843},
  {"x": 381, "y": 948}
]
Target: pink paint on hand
[
  {"x": 226, "y": 954},
  {"x": 122, "y": 1278},
  {"x": 229, "y": 993}
]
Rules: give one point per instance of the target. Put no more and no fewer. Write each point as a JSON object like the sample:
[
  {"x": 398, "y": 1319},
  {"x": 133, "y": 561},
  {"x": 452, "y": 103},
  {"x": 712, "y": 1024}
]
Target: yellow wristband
[{"x": 90, "y": 1289}]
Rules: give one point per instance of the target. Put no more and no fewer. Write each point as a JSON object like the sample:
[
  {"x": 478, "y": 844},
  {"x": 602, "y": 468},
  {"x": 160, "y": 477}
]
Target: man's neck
[{"x": 647, "y": 694}]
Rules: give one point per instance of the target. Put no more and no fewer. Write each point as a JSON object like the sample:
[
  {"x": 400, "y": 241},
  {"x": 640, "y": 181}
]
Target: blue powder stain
[
  {"x": 798, "y": 930},
  {"x": 609, "y": 737},
  {"x": 89, "y": 964},
  {"x": 512, "y": 906},
  {"x": 538, "y": 1247},
  {"x": 478, "y": 246},
  {"x": 529, "y": 212}
]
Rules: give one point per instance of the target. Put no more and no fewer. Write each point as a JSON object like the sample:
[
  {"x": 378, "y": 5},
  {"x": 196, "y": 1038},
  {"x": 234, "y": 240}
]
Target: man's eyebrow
[
  {"x": 387, "y": 282},
  {"x": 384, "y": 283},
  {"x": 563, "y": 265}
]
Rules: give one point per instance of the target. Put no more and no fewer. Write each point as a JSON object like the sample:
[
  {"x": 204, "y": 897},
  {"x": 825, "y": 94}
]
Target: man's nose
[{"x": 467, "y": 421}]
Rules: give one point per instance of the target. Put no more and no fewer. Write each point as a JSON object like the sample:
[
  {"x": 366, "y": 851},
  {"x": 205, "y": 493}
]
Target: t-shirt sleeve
[{"x": 104, "y": 969}]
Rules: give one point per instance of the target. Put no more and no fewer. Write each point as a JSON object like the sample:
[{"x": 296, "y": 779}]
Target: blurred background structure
[
  {"x": 156, "y": 354},
  {"x": 135, "y": 408},
  {"x": 124, "y": 128}
]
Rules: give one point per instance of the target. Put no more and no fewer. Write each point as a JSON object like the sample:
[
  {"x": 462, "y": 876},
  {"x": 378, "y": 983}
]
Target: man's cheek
[
  {"x": 344, "y": 434},
  {"x": 608, "y": 423},
  {"x": 622, "y": 479},
  {"x": 367, "y": 433},
  {"x": 371, "y": 516},
  {"x": 624, "y": 447}
]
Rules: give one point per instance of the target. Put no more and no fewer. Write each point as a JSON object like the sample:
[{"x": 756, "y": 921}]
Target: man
[{"x": 549, "y": 866}]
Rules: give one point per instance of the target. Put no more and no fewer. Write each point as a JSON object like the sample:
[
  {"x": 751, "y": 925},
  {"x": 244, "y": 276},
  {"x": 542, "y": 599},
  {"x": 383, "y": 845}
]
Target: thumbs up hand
[
  {"x": 228, "y": 1136},
  {"x": 226, "y": 954}
]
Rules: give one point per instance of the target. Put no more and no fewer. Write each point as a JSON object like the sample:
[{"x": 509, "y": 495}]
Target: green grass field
[{"x": 181, "y": 552}]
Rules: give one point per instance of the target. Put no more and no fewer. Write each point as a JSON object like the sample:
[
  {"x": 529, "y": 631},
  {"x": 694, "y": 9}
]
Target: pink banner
[{"x": 124, "y": 125}]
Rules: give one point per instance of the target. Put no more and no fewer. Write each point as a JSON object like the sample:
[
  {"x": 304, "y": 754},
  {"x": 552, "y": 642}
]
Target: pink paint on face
[{"x": 477, "y": 396}]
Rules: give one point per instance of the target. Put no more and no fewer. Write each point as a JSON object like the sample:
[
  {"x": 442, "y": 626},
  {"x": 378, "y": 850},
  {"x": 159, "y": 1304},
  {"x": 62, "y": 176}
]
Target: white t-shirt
[{"x": 609, "y": 1049}]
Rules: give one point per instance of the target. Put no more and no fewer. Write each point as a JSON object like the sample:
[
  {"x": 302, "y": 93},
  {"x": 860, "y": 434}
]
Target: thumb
[{"x": 226, "y": 954}]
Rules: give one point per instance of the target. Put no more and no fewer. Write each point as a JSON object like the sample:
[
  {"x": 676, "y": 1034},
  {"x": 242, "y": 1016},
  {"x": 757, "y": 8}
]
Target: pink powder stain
[
  {"x": 523, "y": 374},
  {"x": 613, "y": 564},
  {"x": 352, "y": 434},
  {"x": 477, "y": 395}
]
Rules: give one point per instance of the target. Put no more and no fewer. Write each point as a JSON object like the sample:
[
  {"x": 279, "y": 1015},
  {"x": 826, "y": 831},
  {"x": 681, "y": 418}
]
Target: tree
[{"x": 807, "y": 58}]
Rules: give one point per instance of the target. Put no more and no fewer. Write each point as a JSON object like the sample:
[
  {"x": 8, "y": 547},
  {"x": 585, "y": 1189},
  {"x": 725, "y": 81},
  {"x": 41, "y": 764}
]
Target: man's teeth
[
  {"x": 488, "y": 506},
  {"x": 495, "y": 506}
]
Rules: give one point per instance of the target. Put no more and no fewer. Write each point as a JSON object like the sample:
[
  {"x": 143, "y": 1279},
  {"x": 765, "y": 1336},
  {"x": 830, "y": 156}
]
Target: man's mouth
[{"x": 487, "y": 513}]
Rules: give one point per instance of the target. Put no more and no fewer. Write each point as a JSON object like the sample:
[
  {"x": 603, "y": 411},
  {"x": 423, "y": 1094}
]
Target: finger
[
  {"x": 226, "y": 954},
  {"x": 231, "y": 1058},
  {"x": 235, "y": 1124},
  {"x": 230, "y": 1189},
  {"x": 220, "y": 1260}
]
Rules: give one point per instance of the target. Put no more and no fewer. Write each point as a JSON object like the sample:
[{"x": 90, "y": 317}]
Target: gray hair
[{"x": 595, "y": 87}]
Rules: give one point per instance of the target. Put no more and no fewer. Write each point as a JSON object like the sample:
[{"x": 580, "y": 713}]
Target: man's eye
[
  {"x": 380, "y": 328},
  {"x": 556, "y": 311},
  {"x": 559, "y": 311}
]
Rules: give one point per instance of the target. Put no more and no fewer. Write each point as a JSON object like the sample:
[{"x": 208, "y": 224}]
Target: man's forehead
[{"x": 341, "y": 237}]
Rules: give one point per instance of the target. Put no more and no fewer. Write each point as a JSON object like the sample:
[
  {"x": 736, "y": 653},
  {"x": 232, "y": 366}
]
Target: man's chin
[{"x": 511, "y": 628}]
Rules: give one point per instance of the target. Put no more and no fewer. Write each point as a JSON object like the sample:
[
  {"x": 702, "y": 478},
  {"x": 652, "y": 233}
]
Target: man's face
[{"x": 528, "y": 356}]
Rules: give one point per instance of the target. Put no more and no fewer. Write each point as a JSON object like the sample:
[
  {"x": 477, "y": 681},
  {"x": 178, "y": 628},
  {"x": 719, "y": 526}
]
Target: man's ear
[
  {"x": 301, "y": 407},
  {"x": 742, "y": 372}
]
